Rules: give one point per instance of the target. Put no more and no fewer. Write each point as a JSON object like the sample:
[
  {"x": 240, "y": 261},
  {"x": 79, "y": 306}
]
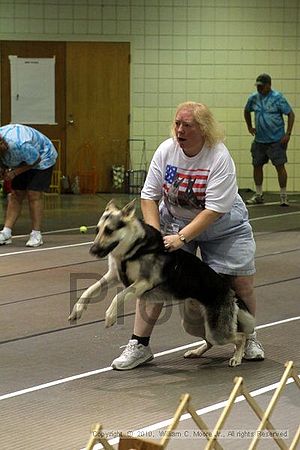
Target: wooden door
[
  {"x": 97, "y": 108},
  {"x": 91, "y": 101},
  {"x": 37, "y": 49}
]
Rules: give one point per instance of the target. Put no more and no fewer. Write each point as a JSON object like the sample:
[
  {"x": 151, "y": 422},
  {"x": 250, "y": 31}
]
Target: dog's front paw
[
  {"x": 76, "y": 312},
  {"x": 233, "y": 362},
  {"x": 110, "y": 317}
]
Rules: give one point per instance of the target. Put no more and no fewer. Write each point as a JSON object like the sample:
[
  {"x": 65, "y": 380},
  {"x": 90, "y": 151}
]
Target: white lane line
[
  {"x": 63, "y": 230},
  {"x": 279, "y": 322},
  {"x": 54, "y": 383},
  {"x": 85, "y": 374},
  {"x": 187, "y": 416},
  {"x": 107, "y": 369},
  {"x": 66, "y": 230},
  {"x": 59, "y": 247},
  {"x": 270, "y": 203},
  {"x": 254, "y": 219}
]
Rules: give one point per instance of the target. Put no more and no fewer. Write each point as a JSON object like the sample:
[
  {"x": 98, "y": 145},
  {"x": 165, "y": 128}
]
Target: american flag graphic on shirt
[{"x": 185, "y": 187}]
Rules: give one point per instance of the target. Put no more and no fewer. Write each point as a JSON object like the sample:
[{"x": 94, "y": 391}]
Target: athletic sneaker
[
  {"x": 4, "y": 239},
  {"x": 253, "y": 350},
  {"x": 35, "y": 240},
  {"x": 257, "y": 199},
  {"x": 284, "y": 200},
  {"x": 133, "y": 355}
]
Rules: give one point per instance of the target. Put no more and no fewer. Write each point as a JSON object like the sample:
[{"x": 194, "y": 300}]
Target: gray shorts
[
  {"x": 227, "y": 246},
  {"x": 262, "y": 153}
]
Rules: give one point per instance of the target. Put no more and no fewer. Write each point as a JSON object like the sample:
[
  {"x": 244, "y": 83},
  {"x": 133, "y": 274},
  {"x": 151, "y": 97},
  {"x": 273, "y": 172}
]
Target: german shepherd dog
[{"x": 137, "y": 257}]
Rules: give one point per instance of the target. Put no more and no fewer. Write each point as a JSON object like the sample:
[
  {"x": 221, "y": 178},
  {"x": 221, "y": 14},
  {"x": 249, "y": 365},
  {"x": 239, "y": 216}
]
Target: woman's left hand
[{"x": 173, "y": 242}]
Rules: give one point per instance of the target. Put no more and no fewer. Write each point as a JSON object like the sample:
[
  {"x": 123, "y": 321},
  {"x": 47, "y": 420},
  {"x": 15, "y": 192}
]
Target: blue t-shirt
[
  {"x": 268, "y": 110},
  {"x": 26, "y": 146}
]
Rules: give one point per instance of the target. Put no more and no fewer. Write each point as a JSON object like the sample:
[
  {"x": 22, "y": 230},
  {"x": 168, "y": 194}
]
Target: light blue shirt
[
  {"x": 268, "y": 111},
  {"x": 26, "y": 146}
]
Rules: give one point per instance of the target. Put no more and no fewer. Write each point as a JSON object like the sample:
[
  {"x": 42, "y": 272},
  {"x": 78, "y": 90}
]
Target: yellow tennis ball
[{"x": 83, "y": 229}]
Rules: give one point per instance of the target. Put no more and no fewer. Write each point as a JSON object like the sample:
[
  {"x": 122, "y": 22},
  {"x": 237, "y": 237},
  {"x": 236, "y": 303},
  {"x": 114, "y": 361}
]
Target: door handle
[{"x": 70, "y": 120}]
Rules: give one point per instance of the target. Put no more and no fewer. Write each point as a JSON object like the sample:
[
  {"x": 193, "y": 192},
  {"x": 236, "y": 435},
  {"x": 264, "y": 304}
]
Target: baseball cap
[{"x": 262, "y": 79}]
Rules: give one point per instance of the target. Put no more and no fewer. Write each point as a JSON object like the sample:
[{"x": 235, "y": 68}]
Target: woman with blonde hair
[{"x": 191, "y": 195}]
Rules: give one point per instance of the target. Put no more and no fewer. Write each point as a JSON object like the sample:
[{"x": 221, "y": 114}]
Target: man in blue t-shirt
[
  {"x": 270, "y": 138},
  {"x": 27, "y": 158}
]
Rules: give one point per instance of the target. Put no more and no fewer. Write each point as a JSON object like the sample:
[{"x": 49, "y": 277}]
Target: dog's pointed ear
[
  {"x": 129, "y": 209},
  {"x": 111, "y": 205}
]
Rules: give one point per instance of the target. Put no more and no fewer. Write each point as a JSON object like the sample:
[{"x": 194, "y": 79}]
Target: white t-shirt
[{"x": 188, "y": 185}]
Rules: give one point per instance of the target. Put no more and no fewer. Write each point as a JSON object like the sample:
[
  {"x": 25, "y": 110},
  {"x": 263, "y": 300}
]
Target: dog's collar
[{"x": 137, "y": 250}]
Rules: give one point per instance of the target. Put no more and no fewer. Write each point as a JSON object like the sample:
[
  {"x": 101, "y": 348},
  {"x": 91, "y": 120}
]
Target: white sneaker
[
  {"x": 35, "y": 240},
  {"x": 257, "y": 199},
  {"x": 284, "y": 200},
  {"x": 253, "y": 350},
  {"x": 4, "y": 239},
  {"x": 133, "y": 355}
]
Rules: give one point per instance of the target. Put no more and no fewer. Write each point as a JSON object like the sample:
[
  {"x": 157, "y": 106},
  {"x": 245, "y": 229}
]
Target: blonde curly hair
[{"x": 211, "y": 129}]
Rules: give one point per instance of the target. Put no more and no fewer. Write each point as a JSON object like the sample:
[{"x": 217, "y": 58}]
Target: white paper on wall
[{"x": 32, "y": 90}]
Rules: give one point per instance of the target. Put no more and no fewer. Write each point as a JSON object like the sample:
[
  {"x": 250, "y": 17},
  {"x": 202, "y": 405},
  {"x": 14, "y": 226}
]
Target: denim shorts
[
  {"x": 227, "y": 246},
  {"x": 262, "y": 153}
]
